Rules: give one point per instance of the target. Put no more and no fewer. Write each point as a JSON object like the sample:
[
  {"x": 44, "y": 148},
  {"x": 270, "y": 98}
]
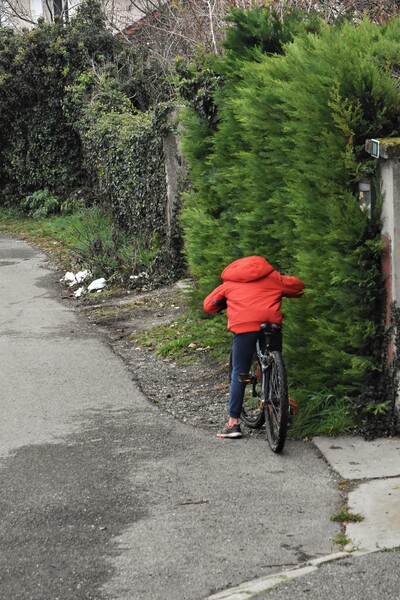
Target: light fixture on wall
[{"x": 364, "y": 195}]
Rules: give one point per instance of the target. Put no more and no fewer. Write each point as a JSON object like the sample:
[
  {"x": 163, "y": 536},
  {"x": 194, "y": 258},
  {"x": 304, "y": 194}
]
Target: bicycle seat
[{"x": 270, "y": 327}]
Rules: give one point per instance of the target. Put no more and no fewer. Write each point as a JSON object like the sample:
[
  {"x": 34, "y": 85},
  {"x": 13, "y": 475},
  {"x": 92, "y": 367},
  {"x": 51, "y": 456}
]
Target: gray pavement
[{"x": 104, "y": 496}]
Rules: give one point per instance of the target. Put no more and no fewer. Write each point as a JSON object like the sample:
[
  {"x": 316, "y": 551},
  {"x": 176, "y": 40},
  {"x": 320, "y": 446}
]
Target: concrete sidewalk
[
  {"x": 371, "y": 470},
  {"x": 374, "y": 469}
]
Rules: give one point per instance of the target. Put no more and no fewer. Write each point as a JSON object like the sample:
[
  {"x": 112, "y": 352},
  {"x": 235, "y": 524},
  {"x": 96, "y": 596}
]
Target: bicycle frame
[
  {"x": 264, "y": 346},
  {"x": 269, "y": 386}
]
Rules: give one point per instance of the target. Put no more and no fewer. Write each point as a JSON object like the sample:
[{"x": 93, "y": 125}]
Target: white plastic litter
[
  {"x": 81, "y": 276},
  {"x": 142, "y": 275},
  {"x": 72, "y": 279},
  {"x": 79, "y": 292},
  {"x": 97, "y": 284},
  {"x": 69, "y": 276}
]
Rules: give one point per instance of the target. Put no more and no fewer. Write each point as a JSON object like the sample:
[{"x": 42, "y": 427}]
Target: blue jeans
[{"x": 244, "y": 345}]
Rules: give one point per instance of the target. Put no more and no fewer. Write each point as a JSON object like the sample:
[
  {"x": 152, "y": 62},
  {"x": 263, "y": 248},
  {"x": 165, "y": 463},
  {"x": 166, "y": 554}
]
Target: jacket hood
[{"x": 247, "y": 269}]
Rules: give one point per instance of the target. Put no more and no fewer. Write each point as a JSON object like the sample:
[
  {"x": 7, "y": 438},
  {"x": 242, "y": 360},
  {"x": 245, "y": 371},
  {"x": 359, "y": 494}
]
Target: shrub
[
  {"x": 40, "y": 204},
  {"x": 39, "y": 146}
]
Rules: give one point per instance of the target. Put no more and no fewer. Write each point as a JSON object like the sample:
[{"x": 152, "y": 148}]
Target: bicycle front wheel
[
  {"x": 277, "y": 402},
  {"x": 253, "y": 409}
]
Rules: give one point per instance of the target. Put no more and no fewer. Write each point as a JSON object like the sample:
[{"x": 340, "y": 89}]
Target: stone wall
[{"x": 389, "y": 169}]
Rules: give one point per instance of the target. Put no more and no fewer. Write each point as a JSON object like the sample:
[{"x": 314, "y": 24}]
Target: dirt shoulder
[{"x": 195, "y": 393}]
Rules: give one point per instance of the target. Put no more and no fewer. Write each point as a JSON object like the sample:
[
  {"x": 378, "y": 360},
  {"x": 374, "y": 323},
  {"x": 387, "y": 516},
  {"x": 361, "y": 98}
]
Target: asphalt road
[{"x": 103, "y": 496}]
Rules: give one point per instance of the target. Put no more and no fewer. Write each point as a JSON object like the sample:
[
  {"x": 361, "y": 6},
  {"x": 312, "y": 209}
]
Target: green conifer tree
[
  {"x": 218, "y": 224},
  {"x": 280, "y": 178}
]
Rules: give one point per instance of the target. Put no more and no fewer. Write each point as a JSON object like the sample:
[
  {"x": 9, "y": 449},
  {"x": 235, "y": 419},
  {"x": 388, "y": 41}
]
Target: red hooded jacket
[{"x": 252, "y": 293}]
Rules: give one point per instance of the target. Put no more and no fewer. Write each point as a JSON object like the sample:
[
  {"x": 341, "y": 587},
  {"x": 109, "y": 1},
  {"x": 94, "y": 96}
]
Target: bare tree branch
[
  {"x": 171, "y": 27},
  {"x": 14, "y": 11}
]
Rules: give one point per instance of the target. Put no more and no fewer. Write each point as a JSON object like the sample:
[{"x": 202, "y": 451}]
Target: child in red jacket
[{"x": 252, "y": 294}]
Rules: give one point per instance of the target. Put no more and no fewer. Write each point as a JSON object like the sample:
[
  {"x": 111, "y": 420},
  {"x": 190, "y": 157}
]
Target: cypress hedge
[{"x": 278, "y": 176}]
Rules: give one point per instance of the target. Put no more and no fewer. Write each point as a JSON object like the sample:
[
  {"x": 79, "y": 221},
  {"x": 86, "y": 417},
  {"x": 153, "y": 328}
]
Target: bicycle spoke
[
  {"x": 253, "y": 408},
  {"x": 277, "y": 405}
]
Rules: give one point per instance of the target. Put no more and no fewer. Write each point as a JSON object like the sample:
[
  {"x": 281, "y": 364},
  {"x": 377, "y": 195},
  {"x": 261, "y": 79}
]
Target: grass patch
[
  {"x": 55, "y": 235},
  {"x": 322, "y": 414},
  {"x": 84, "y": 239},
  {"x": 345, "y": 516},
  {"x": 107, "y": 293},
  {"x": 187, "y": 337},
  {"x": 60, "y": 228},
  {"x": 111, "y": 312},
  {"x": 341, "y": 540}
]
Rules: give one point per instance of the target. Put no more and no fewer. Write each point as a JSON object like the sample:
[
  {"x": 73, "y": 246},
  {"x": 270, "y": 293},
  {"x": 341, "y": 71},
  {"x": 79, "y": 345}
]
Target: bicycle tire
[
  {"x": 253, "y": 414},
  {"x": 277, "y": 403}
]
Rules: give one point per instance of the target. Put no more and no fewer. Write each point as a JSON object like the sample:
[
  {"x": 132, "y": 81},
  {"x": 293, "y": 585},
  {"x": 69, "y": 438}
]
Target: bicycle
[{"x": 266, "y": 397}]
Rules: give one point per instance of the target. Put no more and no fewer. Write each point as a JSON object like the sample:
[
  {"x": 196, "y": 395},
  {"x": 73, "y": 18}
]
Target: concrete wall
[
  {"x": 389, "y": 163},
  {"x": 175, "y": 171},
  {"x": 390, "y": 182}
]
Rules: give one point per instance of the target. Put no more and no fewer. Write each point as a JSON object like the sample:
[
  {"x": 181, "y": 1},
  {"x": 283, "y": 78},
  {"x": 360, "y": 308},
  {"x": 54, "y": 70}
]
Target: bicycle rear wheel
[
  {"x": 253, "y": 414},
  {"x": 277, "y": 403}
]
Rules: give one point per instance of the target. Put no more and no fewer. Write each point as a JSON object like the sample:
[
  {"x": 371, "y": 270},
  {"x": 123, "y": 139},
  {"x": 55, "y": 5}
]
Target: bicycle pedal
[{"x": 247, "y": 378}]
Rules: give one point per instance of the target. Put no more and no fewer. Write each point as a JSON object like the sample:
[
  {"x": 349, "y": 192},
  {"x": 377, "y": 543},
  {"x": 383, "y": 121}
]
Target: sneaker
[{"x": 232, "y": 431}]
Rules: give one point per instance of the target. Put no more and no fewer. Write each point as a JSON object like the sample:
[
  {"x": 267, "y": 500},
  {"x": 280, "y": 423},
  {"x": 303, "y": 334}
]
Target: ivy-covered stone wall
[{"x": 127, "y": 154}]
